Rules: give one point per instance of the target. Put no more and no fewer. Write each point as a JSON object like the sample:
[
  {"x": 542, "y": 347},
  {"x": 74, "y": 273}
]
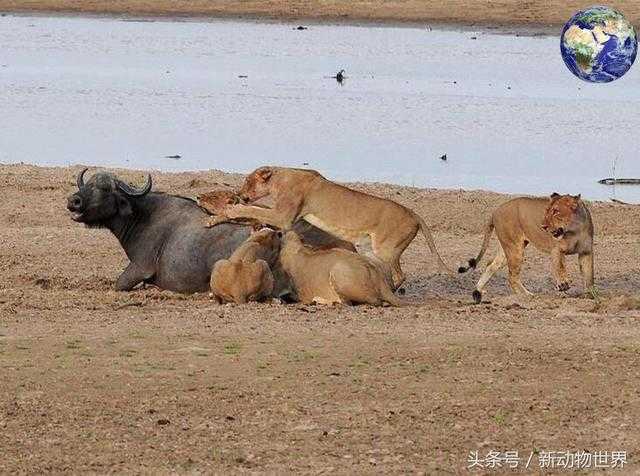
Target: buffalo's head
[{"x": 102, "y": 197}]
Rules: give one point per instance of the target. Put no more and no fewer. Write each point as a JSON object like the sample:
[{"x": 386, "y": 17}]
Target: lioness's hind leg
[
  {"x": 360, "y": 286},
  {"x": 397, "y": 275},
  {"x": 498, "y": 262},
  {"x": 515, "y": 257},
  {"x": 353, "y": 286},
  {"x": 390, "y": 250}
]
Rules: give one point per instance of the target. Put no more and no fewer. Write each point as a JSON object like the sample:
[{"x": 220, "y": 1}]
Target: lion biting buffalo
[{"x": 163, "y": 235}]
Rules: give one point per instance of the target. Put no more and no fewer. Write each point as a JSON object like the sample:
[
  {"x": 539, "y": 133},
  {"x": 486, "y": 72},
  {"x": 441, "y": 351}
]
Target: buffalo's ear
[
  {"x": 124, "y": 207},
  {"x": 265, "y": 174},
  {"x": 554, "y": 195}
]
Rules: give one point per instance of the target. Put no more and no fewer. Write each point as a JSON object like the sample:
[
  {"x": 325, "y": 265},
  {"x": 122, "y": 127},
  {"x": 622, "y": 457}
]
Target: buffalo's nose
[{"x": 74, "y": 203}]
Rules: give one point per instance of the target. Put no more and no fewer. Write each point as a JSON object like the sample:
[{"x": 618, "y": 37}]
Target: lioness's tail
[
  {"x": 432, "y": 246},
  {"x": 473, "y": 262}
]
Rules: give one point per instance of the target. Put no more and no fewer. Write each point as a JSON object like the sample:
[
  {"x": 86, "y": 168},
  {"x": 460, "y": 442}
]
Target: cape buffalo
[{"x": 163, "y": 235}]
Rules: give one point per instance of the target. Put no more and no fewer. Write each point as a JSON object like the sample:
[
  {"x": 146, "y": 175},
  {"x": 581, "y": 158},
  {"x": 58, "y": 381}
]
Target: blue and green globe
[{"x": 598, "y": 44}]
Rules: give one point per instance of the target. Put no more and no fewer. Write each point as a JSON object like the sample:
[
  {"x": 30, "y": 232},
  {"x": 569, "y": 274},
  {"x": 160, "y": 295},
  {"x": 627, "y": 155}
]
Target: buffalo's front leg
[
  {"x": 132, "y": 276},
  {"x": 268, "y": 216}
]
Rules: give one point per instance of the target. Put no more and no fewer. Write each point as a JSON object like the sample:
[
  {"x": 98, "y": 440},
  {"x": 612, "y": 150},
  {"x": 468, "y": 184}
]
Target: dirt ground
[
  {"x": 504, "y": 12},
  {"x": 92, "y": 380}
]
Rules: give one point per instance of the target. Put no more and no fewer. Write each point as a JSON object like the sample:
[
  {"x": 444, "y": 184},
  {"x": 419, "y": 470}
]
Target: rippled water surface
[{"x": 505, "y": 109}]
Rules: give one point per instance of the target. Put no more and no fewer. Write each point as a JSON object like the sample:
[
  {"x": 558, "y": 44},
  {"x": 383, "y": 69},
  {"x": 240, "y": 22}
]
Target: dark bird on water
[
  {"x": 340, "y": 76},
  {"x": 443, "y": 157},
  {"x": 300, "y": 28}
]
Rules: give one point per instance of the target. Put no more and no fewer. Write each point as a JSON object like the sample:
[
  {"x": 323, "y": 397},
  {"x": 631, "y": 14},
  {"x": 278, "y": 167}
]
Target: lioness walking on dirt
[
  {"x": 559, "y": 225},
  {"x": 348, "y": 214}
]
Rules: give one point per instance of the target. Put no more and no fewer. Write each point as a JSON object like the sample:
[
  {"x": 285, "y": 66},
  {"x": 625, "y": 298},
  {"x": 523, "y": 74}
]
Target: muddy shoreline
[
  {"x": 533, "y": 17},
  {"x": 517, "y": 29}
]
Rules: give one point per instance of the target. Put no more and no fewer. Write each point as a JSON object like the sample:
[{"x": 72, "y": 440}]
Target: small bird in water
[
  {"x": 300, "y": 28},
  {"x": 340, "y": 76},
  {"x": 443, "y": 157},
  {"x": 176, "y": 157}
]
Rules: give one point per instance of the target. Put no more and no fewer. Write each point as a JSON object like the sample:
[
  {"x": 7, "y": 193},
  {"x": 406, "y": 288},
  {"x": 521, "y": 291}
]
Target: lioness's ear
[
  {"x": 577, "y": 197},
  {"x": 265, "y": 174}
]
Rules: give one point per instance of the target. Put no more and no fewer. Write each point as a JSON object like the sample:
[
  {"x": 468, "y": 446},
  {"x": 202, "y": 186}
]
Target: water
[{"x": 109, "y": 92}]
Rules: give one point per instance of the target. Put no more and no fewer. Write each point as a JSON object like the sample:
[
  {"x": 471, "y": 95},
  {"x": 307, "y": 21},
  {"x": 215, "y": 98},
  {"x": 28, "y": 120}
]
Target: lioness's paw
[
  {"x": 233, "y": 211},
  {"x": 564, "y": 286}
]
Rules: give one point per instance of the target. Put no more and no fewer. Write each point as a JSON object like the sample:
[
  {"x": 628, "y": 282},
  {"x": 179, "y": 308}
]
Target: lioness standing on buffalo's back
[
  {"x": 348, "y": 214},
  {"x": 559, "y": 225}
]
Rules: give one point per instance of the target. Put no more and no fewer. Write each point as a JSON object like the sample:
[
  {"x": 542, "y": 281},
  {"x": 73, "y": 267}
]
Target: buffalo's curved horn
[
  {"x": 135, "y": 192},
  {"x": 80, "y": 179}
]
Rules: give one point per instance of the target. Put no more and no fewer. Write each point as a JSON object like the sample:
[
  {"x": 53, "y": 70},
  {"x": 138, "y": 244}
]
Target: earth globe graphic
[{"x": 598, "y": 44}]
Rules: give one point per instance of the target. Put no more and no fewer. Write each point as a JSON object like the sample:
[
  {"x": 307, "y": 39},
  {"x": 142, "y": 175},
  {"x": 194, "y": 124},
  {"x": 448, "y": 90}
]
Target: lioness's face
[
  {"x": 267, "y": 237},
  {"x": 217, "y": 200},
  {"x": 257, "y": 184},
  {"x": 559, "y": 214}
]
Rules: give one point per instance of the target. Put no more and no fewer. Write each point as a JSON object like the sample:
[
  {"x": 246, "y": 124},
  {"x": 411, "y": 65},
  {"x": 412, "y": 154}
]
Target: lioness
[
  {"x": 334, "y": 276},
  {"x": 560, "y": 225},
  {"x": 246, "y": 275},
  {"x": 348, "y": 214},
  {"x": 215, "y": 203}
]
